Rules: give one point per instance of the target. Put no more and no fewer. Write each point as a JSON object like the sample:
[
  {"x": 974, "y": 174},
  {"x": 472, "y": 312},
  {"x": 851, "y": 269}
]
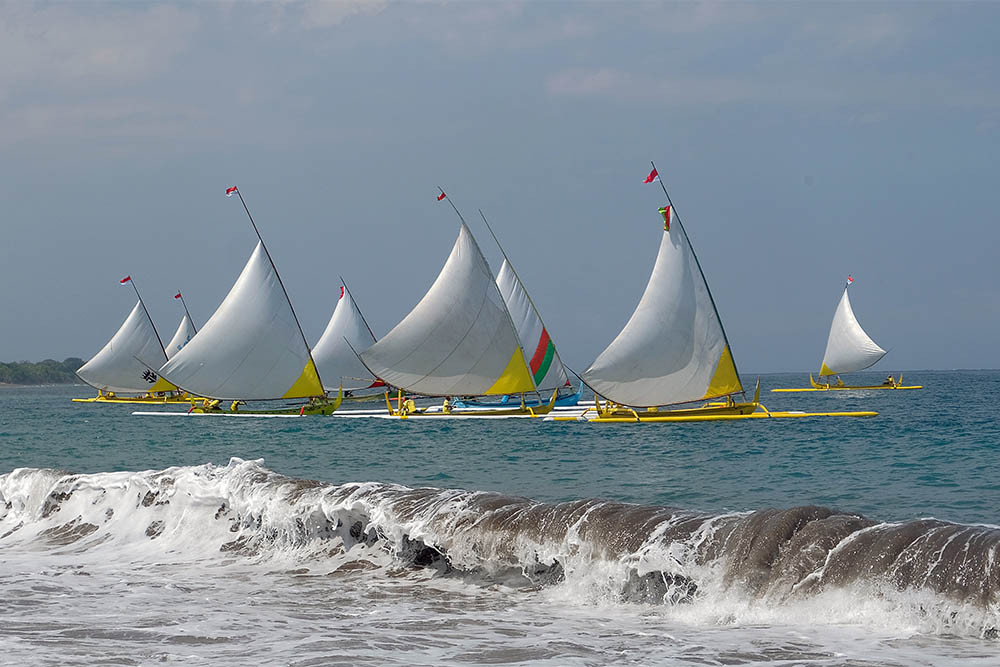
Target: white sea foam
[{"x": 223, "y": 563}]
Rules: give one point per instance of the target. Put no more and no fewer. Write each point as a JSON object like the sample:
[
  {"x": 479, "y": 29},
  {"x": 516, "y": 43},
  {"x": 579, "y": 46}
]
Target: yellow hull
[
  {"x": 642, "y": 418},
  {"x": 610, "y": 413},
  {"x": 847, "y": 388},
  {"x": 826, "y": 386},
  {"x": 141, "y": 400}
]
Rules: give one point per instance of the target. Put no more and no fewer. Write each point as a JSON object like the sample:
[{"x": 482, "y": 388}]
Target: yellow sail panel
[
  {"x": 724, "y": 380},
  {"x": 515, "y": 378},
  {"x": 307, "y": 385},
  {"x": 161, "y": 385},
  {"x": 825, "y": 370}
]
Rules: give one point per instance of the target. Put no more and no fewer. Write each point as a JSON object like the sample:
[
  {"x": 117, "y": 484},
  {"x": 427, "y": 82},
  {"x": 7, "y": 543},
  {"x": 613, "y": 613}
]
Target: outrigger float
[
  {"x": 673, "y": 350},
  {"x": 727, "y": 410},
  {"x": 848, "y": 349}
]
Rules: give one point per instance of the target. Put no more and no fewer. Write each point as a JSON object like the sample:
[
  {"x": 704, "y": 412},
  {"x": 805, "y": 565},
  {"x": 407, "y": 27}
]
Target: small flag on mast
[
  {"x": 230, "y": 191},
  {"x": 177, "y": 296},
  {"x": 850, "y": 280},
  {"x": 442, "y": 195},
  {"x": 341, "y": 291},
  {"x": 667, "y": 214},
  {"x": 125, "y": 279},
  {"x": 652, "y": 176}
]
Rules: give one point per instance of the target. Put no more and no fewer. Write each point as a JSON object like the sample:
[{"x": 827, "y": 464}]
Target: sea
[{"x": 138, "y": 540}]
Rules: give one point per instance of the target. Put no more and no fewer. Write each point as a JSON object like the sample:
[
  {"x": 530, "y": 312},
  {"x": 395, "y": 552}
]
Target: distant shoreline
[{"x": 32, "y": 373}]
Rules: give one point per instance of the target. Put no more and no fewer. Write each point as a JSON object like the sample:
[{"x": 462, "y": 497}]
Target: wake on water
[{"x": 805, "y": 564}]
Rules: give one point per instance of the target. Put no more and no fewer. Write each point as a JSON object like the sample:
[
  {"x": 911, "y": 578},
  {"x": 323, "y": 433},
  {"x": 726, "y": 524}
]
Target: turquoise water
[
  {"x": 137, "y": 540},
  {"x": 931, "y": 452}
]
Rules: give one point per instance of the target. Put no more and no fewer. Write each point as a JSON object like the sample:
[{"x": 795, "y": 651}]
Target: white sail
[
  {"x": 543, "y": 360},
  {"x": 458, "y": 340},
  {"x": 185, "y": 332},
  {"x": 336, "y": 361},
  {"x": 117, "y": 367},
  {"x": 673, "y": 348},
  {"x": 848, "y": 348},
  {"x": 251, "y": 348}
]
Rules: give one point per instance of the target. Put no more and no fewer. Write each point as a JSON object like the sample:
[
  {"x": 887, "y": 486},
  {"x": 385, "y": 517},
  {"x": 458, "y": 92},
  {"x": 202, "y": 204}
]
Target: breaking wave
[{"x": 803, "y": 563}]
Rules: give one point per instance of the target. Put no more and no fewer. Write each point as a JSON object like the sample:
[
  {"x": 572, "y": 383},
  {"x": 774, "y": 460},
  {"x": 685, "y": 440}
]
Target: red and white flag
[
  {"x": 652, "y": 176},
  {"x": 442, "y": 195},
  {"x": 125, "y": 279},
  {"x": 230, "y": 191},
  {"x": 850, "y": 280},
  {"x": 177, "y": 296},
  {"x": 341, "y": 291}
]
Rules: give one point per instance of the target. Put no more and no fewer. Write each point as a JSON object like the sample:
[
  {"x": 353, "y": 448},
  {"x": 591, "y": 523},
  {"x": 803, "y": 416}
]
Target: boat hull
[
  {"x": 826, "y": 386},
  {"x": 137, "y": 400}
]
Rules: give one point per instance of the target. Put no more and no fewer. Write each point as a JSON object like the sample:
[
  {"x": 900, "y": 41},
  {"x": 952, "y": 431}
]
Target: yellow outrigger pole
[
  {"x": 726, "y": 410},
  {"x": 891, "y": 383}
]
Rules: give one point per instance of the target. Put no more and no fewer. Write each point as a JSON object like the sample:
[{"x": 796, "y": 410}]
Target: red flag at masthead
[
  {"x": 125, "y": 279},
  {"x": 230, "y": 191},
  {"x": 442, "y": 195},
  {"x": 652, "y": 176}
]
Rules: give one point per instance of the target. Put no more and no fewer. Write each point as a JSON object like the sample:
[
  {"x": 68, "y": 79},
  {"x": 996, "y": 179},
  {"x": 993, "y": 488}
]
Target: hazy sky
[{"x": 800, "y": 142}]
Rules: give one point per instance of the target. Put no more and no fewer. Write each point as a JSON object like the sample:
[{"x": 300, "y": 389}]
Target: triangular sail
[
  {"x": 251, "y": 348},
  {"x": 337, "y": 363},
  {"x": 185, "y": 332},
  {"x": 848, "y": 348},
  {"x": 458, "y": 340},
  {"x": 673, "y": 349},
  {"x": 117, "y": 367},
  {"x": 543, "y": 360}
]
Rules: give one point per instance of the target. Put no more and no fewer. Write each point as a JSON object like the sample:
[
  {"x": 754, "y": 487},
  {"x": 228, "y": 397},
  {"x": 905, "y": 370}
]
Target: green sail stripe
[{"x": 543, "y": 368}]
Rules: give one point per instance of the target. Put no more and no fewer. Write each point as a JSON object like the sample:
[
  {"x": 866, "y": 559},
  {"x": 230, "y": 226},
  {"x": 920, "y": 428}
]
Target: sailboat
[
  {"x": 459, "y": 340},
  {"x": 251, "y": 348},
  {"x": 123, "y": 365},
  {"x": 185, "y": 331},
  {"x": 347, "y": 335},
  {"x": 848, "y": 349},
  {"x": 673, "y": 350},
  {"x": 546, "y": 367}
]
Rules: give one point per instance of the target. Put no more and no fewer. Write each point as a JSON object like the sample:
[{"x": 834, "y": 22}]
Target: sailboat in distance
[
  {"x": 673, "y": 350},
  {"x": 336, "y": 352},
  {"x": 459, "y": 340},
  {"x": 185, "y": 331},
  {"x": 848, "y": 349},
  {"x": 252, "y": 347},
  {"x": 124, "y": 364}
]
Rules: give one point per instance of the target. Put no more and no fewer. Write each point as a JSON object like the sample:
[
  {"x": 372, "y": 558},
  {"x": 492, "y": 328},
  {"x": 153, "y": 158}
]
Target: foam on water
[{"x": 362, "y": 555}]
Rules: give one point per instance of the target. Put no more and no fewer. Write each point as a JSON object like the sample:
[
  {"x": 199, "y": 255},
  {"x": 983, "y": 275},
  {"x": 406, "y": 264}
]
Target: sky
[{"x": 800, "y": 143}]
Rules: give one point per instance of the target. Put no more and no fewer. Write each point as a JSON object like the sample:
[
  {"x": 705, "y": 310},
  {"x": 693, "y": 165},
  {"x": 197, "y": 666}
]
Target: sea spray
[{"x": 806, "y": 563}]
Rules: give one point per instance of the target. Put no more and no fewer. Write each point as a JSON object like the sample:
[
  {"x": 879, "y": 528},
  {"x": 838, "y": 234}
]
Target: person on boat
[
  {"x": 889, "y": 382},
  {"x": 840, "y": 383},
  {"x": 446, "y": 406}
]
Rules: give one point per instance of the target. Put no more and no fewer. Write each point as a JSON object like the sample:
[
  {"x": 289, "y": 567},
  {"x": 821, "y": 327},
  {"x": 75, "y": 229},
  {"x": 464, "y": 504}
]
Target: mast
[
  {"x": 187, "y": 312},
  {"x": 278, "y": 276},
  {"x": 698, "y": 264},
  {"x": 510, "y": 320},
  {"x": 131, "y": 281}
]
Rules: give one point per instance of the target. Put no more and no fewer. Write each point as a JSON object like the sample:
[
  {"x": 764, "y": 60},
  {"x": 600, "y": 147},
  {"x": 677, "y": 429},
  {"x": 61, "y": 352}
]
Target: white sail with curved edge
[
  {"x": 458, "y": 340},
  {"x": 673, "y": 348},
  {"x": 251, "y": 348},
  {"x": 337, "y": 363},
  {"x": 117, "y": 367},
  {"x": 848, "y": 348},
  {"x": 185, "y": 332},
  {"x": 543, "y": 360}
]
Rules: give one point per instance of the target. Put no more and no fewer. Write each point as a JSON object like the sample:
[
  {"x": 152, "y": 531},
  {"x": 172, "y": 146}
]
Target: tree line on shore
[{"x": 49, "y": 371}]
